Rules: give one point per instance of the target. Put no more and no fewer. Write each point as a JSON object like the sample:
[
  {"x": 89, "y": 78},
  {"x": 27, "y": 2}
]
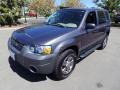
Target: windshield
[{"x": 66, "y": 18}]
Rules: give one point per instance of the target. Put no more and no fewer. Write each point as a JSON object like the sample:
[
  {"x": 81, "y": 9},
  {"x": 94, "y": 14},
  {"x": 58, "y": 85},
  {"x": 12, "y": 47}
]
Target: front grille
[{"x": 16, "y": 44}]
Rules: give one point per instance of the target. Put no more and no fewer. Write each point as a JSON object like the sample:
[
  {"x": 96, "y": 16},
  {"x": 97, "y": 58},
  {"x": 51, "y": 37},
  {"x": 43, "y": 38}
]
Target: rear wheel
[
  {"x": 65, "y": 65},
  {"x": 104, "y": 44}
]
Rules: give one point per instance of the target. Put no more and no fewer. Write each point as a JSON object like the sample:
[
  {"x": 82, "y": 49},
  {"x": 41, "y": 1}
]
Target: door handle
[{"x": 95, "y": 31}]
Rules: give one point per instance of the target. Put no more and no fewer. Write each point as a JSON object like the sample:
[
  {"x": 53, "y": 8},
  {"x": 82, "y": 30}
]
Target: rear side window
[
  {"x": 101, "y": 17},
  {"x": 107, "y": 16}
]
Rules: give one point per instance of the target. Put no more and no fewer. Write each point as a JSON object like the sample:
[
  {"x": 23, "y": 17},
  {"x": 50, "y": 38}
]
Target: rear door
[
  {"x": 108, "y": 20},
  {"x": 101, "y": 27}
]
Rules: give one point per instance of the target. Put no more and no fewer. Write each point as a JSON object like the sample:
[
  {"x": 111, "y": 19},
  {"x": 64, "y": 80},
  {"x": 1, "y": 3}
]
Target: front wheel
[
  {"x": 104, "y": 44},
  {"x": 65, "y": 65}
]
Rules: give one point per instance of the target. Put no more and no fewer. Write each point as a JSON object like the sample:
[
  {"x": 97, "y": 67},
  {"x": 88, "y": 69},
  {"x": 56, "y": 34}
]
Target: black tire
[
  {"x": 58, "y": 74},
  {"x": 104, "y": 44},
  {"x": 116, "y": 22}
]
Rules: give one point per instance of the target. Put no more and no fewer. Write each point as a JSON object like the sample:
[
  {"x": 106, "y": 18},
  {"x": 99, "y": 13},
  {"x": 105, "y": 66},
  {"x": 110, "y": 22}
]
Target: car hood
[{"x": 39, "y": 34}]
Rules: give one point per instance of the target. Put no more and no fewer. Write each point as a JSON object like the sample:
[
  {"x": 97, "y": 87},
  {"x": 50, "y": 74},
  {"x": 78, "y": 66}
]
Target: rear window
[{"x": 101, "y": 17}]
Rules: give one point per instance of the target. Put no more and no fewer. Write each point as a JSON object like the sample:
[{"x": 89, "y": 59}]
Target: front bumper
[{"x": 35, "y": 63}]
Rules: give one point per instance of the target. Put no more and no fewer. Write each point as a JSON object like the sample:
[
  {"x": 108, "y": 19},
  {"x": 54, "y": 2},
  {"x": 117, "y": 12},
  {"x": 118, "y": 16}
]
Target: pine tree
[{"x": 10, "y": 10}]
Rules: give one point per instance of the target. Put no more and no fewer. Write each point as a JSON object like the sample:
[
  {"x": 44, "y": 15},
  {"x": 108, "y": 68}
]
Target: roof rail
[{"x": 61, "y": 7}]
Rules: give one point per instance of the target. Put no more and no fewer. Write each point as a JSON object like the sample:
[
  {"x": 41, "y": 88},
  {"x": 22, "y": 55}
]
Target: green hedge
[{"x": 10, "y": 14}]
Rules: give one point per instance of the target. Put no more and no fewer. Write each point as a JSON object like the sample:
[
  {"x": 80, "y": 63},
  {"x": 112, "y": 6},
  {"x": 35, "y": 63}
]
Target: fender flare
[{"x": 64, "y": 45}]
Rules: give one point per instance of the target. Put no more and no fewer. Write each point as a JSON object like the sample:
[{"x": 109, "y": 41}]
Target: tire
[
  {"x": 66, "y": 61},
  {"x": 104, "y": 44},
  {"x": 116, "y": 22}
]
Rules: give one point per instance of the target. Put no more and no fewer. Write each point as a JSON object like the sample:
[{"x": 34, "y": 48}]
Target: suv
[
  {"x": 67, "y": 36},
  {"x": 117, "y": 18}
]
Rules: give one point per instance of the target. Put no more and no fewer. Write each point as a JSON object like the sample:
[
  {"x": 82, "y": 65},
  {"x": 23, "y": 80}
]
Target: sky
[{"x": 87, "y": 3}]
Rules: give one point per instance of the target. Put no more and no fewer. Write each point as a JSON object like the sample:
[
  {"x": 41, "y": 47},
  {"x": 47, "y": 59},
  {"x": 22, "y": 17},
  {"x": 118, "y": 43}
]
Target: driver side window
[
  {"x": 91, "y": 18},
  {"x": 91, "y": 21}
]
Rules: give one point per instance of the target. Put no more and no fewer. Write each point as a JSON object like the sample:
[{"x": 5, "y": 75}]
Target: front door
[{"x": 88, "y": 39}]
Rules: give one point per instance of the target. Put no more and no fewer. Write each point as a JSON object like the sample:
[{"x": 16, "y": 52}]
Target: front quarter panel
[
  {"x": 65, "y": 44},
  {"x": 65, "y": 41}
]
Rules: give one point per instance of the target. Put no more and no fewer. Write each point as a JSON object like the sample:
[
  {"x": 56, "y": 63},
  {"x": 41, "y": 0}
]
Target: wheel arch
[
  {"x": 69, "y": 44},
  {"x": 73, "y": 47}
]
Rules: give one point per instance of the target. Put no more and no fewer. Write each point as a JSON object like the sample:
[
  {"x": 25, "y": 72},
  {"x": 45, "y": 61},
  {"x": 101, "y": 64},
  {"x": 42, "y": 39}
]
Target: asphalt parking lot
[{"x": 98, "y": 71}]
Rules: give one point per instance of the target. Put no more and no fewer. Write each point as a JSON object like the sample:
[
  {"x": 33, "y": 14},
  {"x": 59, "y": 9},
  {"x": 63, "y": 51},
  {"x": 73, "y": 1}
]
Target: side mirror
[{"x": 90, "y": 26}]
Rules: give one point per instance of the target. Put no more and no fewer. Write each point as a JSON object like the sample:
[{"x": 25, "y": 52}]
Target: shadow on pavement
[
  {"x": 115, "y": 24},
  {"x": 24, "y": 73}
]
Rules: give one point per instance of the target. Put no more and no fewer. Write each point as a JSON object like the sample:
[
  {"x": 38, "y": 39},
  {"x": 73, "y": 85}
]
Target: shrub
[{"x": 11, "y": 12}]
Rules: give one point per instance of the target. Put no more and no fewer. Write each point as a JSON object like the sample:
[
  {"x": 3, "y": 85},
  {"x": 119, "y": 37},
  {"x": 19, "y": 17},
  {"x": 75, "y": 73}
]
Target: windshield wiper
[{"x": 57, "y": 24}]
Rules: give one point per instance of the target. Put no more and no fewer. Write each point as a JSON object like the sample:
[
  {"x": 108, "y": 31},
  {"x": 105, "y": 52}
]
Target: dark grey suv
[{"x": 67, "y": 36}]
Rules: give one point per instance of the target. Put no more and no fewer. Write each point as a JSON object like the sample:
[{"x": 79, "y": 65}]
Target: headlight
[{"x": 44, "y": 50}]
